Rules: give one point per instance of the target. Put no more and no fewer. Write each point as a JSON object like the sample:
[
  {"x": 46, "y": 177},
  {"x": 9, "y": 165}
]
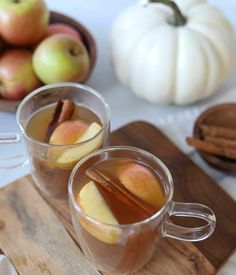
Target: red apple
[
  {"x": 23, "y": 22},
  {"x": 17, "y": 77},
  {"x": 60, "y": 58},
  {"x": 59, "y": 28}
]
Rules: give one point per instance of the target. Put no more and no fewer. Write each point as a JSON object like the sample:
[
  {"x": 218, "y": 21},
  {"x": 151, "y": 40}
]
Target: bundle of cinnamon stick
[{"x": 216, "y": 140}]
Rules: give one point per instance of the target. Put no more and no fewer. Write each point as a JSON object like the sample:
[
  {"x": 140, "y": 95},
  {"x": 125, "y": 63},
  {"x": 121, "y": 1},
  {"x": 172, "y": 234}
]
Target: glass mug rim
[
  {"x": 120, "y": 148},
  {"x": 56, "y": 85}
]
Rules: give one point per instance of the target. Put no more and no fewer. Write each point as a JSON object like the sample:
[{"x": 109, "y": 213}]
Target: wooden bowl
[
  {"x": 87, "y": 39},
  {"x": 223, "y": 115}
]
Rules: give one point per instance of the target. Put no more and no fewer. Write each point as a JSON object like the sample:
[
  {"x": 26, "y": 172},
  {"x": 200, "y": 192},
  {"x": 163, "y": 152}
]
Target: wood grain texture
[
  {"x": 179, "y": 258},
  {"x": 191, "y": 184},
  {"x": 171, "y": 255},
  {"x": 221, "y": 115},
  {"x": 33, "y": 237}
]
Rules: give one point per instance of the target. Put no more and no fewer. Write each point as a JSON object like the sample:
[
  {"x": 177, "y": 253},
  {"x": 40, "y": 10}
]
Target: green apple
[
  {"x": 17, "y": 77},
  {"x": 94, "y": 206},
  {"x": 61, "y": 58},
  {"x": 23, "y": 22}
]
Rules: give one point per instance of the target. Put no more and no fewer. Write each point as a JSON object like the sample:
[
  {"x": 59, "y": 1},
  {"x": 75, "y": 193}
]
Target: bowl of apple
[{"x": 39, "y": 47}]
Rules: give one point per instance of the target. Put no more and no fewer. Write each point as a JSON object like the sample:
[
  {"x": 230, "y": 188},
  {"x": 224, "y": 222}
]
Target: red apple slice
[
  {"x": 68, "y": 132},
  {"x": 69, "y": 158},
  {"x": 140, "y": 181}
]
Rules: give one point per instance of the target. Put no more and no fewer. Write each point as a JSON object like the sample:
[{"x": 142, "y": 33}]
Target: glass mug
[
  {"x": 127, "y": 248},
  {"x": 48, "y": 175}
]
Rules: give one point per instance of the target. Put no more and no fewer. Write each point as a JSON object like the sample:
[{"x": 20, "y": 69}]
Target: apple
[
  {"x": 60, "y": 58},
  {"x": 93, "y": 129},
  {"x": 60, "y": 28},
  {"x": 68, "y": 132},
  {"x": 141, "y": 181},
  {"x": 93, "y": 205},
  {"x": 17, "y": 77},
  {"x": 23, "y": 22},
  {"x": 69, "y": 157}
]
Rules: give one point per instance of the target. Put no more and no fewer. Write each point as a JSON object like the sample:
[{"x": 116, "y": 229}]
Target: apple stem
[
  {"x": 179, "y": 18},
  {"x": 73, "y": 52}
]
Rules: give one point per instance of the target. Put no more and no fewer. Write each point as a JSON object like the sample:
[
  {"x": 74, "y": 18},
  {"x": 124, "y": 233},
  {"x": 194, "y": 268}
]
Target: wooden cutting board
[{"x": 37, "y": 234}]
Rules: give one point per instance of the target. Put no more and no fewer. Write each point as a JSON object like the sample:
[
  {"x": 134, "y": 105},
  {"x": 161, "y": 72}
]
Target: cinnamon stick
[
  {"x": 112, "y": 185},
  {"x": 67, "y": 111},
  {"x": 221, "y": 142},
  {"x": 54, "y": 120},
  {"x": 211, "y": 148},
  {"x": 62, "y": 112},
  {"x": 103, "y": 185},
  {"x": 112, "y": 199},
  {"x": 215, "y": 131}
]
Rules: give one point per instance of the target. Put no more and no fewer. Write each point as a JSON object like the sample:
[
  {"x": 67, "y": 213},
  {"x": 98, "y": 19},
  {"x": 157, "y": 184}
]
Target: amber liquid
[
  {"x": 135, "y": 247},
  {"x": 48, "y": 176},
  {"x": 38, "y": 123},
  {"x": 124, "y": 213}
]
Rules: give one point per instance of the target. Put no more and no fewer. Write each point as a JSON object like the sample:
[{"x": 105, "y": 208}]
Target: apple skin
[
  {"x": 140, "y": 181},
  {"x": 60, "y": 58},
  {"x": 17, "y": 77},
  {"x": 23, "y": 22},
  {"x": 68, "y": 132},
  {"x": 71, "y": 156},
  {"x": 60, "y": 28}
]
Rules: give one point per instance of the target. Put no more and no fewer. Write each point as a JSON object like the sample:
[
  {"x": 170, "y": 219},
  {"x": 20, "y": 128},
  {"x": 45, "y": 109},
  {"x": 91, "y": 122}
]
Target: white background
[{"x": 98, "y": 16}]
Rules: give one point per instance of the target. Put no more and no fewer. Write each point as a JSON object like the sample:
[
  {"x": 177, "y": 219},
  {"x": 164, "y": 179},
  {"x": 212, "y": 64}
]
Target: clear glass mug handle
[
  {"x": 194, "y": 234},
  {"x": 15, "y": 161}
]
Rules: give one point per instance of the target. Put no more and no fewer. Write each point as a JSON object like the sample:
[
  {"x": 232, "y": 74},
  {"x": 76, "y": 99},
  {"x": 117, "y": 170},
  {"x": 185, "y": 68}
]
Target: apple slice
[
  {"x": 140, "y": 181},
  {"x": 68, "y": 132},
  {"x": 92, "y": 130},
  {"x": 94, "y": 206},
  {"x": 69, "y": 158}
]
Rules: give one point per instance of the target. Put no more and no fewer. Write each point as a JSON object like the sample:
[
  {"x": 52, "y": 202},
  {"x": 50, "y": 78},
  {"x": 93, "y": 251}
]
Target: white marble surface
[{"x": 125, "y": 107}]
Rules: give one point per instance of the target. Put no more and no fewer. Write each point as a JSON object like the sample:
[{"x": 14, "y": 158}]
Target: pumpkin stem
[{"x": 179, "y": 18}]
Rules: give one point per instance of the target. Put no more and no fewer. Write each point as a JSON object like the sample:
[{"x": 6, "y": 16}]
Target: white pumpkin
[{"x": 164, "y": 59}]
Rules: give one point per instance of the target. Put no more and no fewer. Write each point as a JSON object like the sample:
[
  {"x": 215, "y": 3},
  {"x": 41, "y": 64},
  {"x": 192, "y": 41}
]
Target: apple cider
[
  {"x": 117, "y": 192},
  {"x": 71, "y": 131}
]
